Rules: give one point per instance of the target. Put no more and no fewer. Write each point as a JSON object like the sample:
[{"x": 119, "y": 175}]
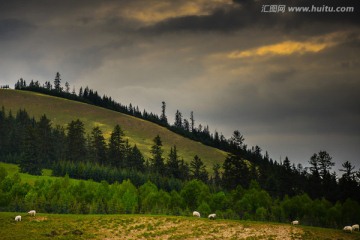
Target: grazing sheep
[
  {"x": 355, "y": 227},
  {"x": 196, "y": 214},
  {"x": 18, "y": 218},
  {"x": 347, "y": 229},
  {"x": 32, "y": 212},
  {"x": 296, "y": 222},
  {"x": 212, "y": 216}
]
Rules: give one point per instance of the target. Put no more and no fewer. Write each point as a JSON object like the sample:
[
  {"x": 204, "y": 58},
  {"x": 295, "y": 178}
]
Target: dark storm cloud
[
  {"x": 14, "y": 28},
  {"x": 247, "y": 14},
  {"x": 101, "y": 16},
  {"x": 296, "y": 94}
]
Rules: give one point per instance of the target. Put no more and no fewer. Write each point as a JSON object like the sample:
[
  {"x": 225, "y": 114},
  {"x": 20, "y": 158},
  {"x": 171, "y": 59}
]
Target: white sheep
[
  {"x": 355, "y": 227},
  {"x": 32, "y": 212},
  {"x": 296, "y": 222},
  {"x": 196, "y": 214},
  {"x": 212, "y": 216},
  {"x": 347, "y": 229},
  {"x": 18, "y": 218}
]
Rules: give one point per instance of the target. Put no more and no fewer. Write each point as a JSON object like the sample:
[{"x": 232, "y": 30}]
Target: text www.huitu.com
[{"x": 308, "y": 9}]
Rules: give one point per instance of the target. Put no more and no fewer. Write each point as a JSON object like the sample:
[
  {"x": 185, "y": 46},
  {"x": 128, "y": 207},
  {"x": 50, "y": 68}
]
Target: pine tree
[
  {"x": 348, "y": 170},
  {"x": 192, "y": 121},
  {"x": 20, "y": 84},
  {"x": 314, "y": 188},
  {"x": 157, "y": 160},
  {"x": 178, "y": 119},
  {"x": 286, "y": 178},
  {"x": 19, "y": 126},
  {"x": 57, "y": 82},
  {"x": 48, "y": 85},
  {"x": 97, "y": 146},
  {"x": 186, "y": 125},
  {"x": 81, "y": 92},
  {"x": 116, "y": 152},
  {"x": 76, "y": 142},
  {"x": 173, "y": 168},
  {"x": 30, "y": 162},
  {"x": 321, "y": 164},
  {"x": 3, "y": 131},
  {"x": 348, "y": 185},
  {"x": 45, "y": 141},
  {"x": 15, "y": 135},
  {"x": 325, "y": 163},
  {"x": 127, "y": 155},
  {"x": 67, "y": 87},
  {"x": 163, "y": 117},
  {"x": 217, "y": 176},
  {"x": 136, "y": 160},
  {"x": 314, "y": 168},
  {"x": 59, "y": 143},
  {"x": 86, "y": 92},
  {"x": 237, "y": 140},
  {"x": 236, "y": 172},
  {"x": 286, "y": 164},
  {"x": 197, "y": 169},
  {"x": 184, "y": 170},
  {"x": 216, "y": 139}
]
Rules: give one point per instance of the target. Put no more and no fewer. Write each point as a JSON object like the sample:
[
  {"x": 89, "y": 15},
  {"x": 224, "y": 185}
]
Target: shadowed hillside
[{"x": 62, "y": 111}]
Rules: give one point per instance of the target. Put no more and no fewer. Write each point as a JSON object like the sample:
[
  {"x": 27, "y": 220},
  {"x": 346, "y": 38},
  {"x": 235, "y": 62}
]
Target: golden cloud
[
  {"x": 288, "y": 48},
  {"x": 284, "y": 48},
  {"x": 155, "y": 11}
]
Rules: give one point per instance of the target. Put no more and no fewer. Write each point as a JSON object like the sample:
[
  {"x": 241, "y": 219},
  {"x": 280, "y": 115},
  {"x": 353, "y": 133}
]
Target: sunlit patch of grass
[
  {"x": 11, "y": 169},
  {"x": 72, "y": 226},
  {"x": 150, "y": 227}
]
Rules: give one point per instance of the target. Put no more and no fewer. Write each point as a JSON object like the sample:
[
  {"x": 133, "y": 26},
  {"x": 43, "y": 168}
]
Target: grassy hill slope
[
  {"x": 12, "y": 169},
  {"x": 58, "y": 226},
  {"x": 62, "y": 111}
]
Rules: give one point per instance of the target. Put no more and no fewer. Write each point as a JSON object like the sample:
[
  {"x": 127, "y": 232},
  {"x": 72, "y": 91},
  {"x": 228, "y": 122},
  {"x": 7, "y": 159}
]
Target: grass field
[
  {"x": 11, "y": 169},
  {"x": 58, "y": 226},
  {"x": 70, "y": 226},
  {"x": 62, "y": 111}
]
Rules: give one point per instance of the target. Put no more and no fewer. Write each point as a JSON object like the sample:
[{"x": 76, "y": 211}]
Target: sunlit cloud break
[
  {"x": 152, "y": 12},
  {"x": 286, "y": 48}
]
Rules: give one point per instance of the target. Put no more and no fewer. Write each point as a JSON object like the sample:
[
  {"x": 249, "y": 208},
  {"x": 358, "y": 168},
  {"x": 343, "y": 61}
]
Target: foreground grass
[
  {"x": 57, "y": 226},
  {"x": 62, "y": 111}
]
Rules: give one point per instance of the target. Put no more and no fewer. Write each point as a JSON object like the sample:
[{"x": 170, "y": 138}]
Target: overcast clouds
[{"x": 289, "y": 82}]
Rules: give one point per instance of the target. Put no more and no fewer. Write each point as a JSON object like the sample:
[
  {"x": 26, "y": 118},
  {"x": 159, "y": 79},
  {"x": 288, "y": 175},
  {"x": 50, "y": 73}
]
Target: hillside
[
  {"x": 13, "y": 169},
  {"x": 139, "y": 132},
  {"x": 45, "y": 226}
]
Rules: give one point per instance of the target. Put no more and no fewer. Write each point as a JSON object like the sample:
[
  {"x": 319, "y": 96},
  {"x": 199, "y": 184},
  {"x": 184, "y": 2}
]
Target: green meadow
[
  {"x": 140, "y": 132},
  {"x": 69, "y": 226},
  {"x": 11, "y": 169},
  {"x": 139, "y": 226}
]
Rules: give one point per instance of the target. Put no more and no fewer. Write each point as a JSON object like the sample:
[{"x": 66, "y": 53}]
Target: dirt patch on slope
[{"x": 175, "y": 228}]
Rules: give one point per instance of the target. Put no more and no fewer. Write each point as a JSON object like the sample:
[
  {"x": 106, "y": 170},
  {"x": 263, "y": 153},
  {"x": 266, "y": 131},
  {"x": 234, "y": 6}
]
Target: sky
[{"x": 289, "y": 82}]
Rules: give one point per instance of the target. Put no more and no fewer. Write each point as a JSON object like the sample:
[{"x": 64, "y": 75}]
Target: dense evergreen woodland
[{"x": 248, "y": 185}]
